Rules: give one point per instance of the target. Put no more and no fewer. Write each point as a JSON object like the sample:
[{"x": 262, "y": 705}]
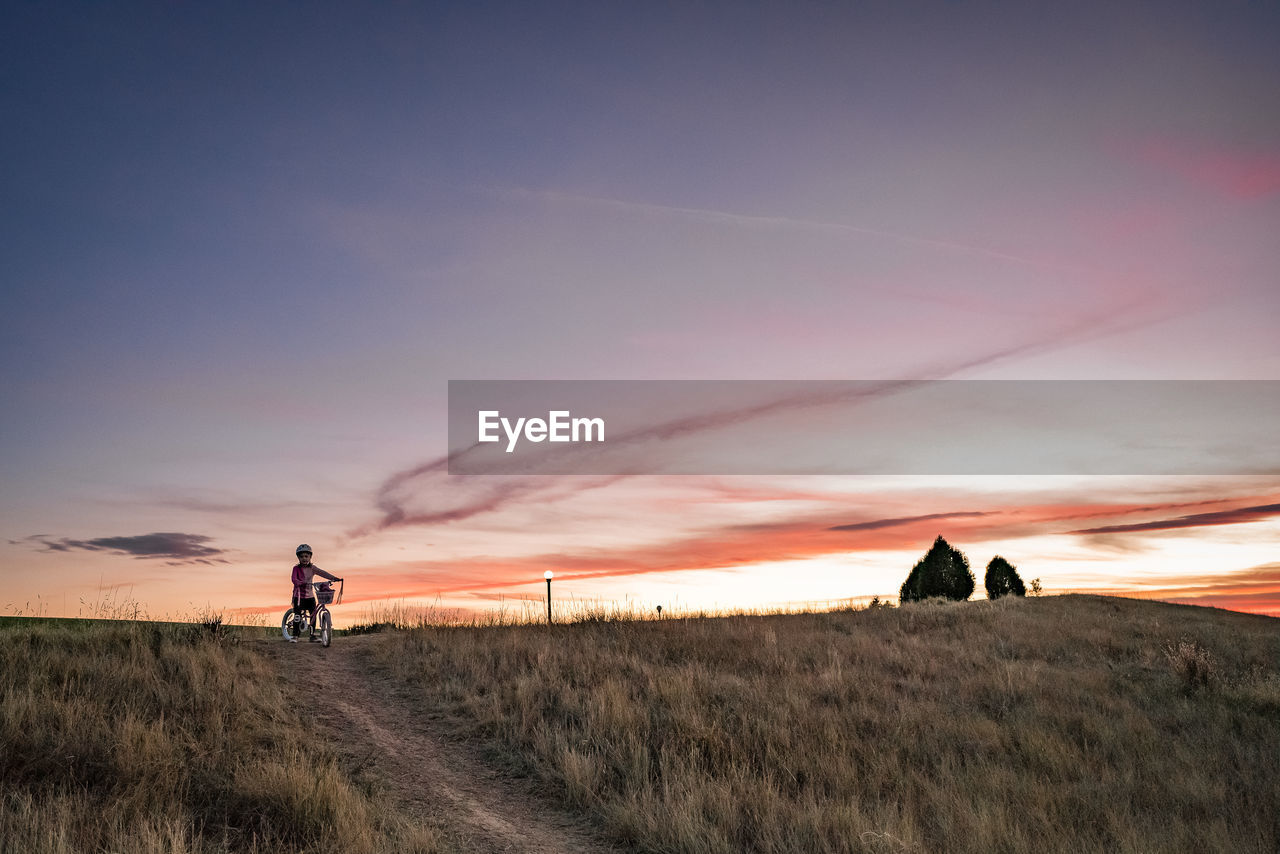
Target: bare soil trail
[{"x": 436, "y": 780}]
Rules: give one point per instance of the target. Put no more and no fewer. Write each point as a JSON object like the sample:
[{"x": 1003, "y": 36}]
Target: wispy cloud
[
  {"x": 178, "y": 548},
  {"x": 774, "y": 222},
  {"x": 800, "y": 536},
  {"x": 877, "y": 524},
  {"x": 1255, "y": 589},
  {"x": 1194, "y": 520},
  {"x": 214, "y": 503},
  {"x": 1231, "y": 172},
  {"x": 425, "y": 494},
  {"x": 815, "y": 533}
]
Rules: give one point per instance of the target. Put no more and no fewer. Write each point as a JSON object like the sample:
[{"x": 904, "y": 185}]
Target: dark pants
[{"x": 309, "y": 606}]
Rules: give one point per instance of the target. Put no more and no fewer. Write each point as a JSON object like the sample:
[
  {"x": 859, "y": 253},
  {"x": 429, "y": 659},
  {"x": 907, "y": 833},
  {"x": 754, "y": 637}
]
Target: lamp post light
[{"x": 548, "y": 576}]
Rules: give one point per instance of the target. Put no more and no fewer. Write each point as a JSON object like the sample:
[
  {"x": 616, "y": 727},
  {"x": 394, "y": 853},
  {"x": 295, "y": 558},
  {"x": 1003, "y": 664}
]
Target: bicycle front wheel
[
  {"x": 286, "y": 623},
  {"x": 326, "y": 628}
]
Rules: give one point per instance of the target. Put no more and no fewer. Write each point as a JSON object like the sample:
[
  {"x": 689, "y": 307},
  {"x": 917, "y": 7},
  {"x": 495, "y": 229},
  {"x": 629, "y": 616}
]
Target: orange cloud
[
  {"x": 830, "y": 532},
  {"x": 1255, "y": 590}
]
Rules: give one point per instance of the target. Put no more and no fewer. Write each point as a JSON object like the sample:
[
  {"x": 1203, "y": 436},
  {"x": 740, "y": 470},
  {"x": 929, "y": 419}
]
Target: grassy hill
[
  {"x": 1055, "y": 724},
  {"x": 161, "y": 738},
  {"x": 1068, "y": 723}
]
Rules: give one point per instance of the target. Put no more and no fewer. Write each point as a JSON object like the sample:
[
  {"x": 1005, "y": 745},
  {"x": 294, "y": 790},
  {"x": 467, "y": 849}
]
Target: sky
[{"x": 246, "y": 246}]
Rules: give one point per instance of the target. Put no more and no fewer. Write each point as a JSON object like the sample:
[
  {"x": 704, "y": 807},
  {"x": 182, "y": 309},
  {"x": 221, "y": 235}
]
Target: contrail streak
[
  {"x": 485, "y": 495},
  {"x": 782, "y": 222}
]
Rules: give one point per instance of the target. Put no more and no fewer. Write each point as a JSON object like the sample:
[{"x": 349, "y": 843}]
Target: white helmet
[{"x": 302, "y": 548}]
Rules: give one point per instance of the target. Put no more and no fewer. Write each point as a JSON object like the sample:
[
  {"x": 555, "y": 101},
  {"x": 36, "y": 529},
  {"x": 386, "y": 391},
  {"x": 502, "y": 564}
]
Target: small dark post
[
  {"x": 548, "y": 575},
  {"x": 659, "y": 612}
]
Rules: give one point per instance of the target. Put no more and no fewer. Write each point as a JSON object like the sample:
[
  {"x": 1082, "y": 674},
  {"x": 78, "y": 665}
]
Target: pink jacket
[{"x": 302, "y": 576}]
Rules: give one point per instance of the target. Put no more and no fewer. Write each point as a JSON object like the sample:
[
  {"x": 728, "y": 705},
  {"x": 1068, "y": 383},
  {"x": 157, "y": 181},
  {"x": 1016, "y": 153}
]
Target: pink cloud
[{"x": 1235, "y": 173}]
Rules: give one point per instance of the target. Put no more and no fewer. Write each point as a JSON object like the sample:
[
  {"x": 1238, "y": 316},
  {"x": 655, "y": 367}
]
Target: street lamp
[{"x": 548, "y": 575}]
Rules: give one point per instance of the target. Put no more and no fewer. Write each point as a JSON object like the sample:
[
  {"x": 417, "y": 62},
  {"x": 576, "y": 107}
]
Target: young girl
[{"x": 304, "y": 596}]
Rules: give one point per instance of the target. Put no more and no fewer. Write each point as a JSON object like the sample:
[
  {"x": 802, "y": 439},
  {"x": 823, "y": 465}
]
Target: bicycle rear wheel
[{"x": 326, "y": 628}]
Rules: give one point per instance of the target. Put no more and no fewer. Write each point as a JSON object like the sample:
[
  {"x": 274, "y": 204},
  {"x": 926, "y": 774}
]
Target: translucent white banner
[{"x": 945, "y": 427}]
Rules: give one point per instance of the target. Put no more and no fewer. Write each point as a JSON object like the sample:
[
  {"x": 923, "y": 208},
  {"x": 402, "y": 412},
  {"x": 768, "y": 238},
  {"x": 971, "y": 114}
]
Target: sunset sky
[{"x": 246, "y": 246}]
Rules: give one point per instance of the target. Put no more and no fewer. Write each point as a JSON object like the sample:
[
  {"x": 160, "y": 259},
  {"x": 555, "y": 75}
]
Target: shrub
[
  {"x": 1193, "y": 664},
  {"x": 1002, "y": 579},
  {"x": 943, "y": 571}
]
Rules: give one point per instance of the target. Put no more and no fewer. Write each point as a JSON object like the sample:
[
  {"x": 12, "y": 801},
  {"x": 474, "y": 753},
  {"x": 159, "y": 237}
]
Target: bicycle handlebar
[{"x": 337, "y": 600}]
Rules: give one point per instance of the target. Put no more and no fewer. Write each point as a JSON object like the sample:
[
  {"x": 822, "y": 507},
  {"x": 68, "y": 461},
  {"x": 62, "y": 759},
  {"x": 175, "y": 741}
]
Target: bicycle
[{"x": 296, "y": 621}]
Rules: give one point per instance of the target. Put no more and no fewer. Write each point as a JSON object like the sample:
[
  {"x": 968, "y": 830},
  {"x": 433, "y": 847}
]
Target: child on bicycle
[{"x": 304, "y": 595}]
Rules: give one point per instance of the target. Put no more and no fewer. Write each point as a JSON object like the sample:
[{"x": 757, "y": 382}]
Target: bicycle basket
[{"x": 324, "y": 593}]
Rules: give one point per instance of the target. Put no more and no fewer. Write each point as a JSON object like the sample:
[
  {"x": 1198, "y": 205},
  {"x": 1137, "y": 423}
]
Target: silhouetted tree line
[{"x": 944, "y": 572}]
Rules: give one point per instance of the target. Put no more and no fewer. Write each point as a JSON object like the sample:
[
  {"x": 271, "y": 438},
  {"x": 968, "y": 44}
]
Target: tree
[
  {"x": 1002, "y": 579},
  {"x": 943, "y": 571}
]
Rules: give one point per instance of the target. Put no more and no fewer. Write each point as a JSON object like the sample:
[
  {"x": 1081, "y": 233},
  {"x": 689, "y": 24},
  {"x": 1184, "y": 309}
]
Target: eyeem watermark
[
  {"x": 864, "y": 427},
  {"x": 559, "y": 426}
]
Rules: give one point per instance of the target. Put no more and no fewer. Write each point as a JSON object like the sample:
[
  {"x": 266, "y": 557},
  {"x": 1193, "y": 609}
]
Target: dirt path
[{"x": 435, "y": 780}]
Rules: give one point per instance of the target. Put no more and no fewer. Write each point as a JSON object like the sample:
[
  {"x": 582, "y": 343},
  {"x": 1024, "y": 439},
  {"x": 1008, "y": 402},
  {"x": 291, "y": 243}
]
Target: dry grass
[
  {"x": 141, "y": 738},
  {"x": 1051, "y": 724},
  {"x": 386, "y": 615}
]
